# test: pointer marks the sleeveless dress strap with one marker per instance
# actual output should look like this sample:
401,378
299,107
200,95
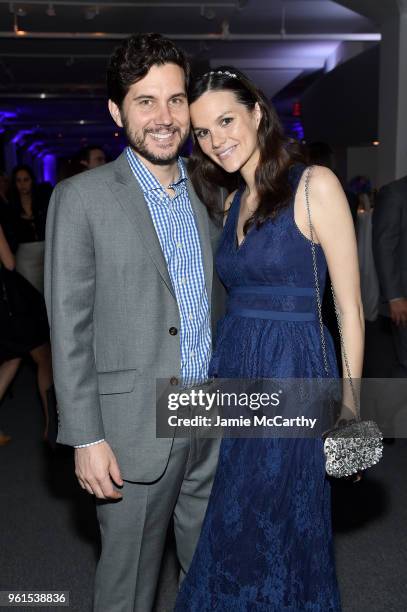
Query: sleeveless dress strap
233,211
294,176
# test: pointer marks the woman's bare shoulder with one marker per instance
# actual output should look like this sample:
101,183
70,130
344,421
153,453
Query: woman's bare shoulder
324,181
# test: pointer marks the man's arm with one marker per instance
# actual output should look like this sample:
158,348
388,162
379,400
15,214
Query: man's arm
70,294
386,238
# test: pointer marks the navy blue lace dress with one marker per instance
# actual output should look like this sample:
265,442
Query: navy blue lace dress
266,541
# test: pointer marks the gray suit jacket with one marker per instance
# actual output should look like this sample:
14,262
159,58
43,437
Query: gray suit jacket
390,240
111,304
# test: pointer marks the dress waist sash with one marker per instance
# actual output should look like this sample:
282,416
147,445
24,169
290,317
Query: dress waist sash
236,307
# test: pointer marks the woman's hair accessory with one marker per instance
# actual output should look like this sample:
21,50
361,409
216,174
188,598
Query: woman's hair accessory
222,72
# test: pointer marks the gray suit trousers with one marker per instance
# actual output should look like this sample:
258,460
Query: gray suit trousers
134,529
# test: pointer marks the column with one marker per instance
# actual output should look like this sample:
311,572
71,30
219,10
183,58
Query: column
393,98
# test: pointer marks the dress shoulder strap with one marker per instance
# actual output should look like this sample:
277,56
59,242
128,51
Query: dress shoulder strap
234,208
294,176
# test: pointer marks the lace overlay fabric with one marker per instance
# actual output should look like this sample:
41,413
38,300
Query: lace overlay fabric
266,542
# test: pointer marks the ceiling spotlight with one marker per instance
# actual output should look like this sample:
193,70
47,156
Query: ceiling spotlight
21,12
43,96
82,122
376,143
50,11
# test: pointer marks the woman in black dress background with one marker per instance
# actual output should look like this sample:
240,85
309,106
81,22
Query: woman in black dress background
29,203
23,320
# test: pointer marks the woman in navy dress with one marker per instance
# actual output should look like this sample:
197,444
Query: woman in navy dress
266,542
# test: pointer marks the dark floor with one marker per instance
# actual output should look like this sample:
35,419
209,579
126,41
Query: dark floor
49,537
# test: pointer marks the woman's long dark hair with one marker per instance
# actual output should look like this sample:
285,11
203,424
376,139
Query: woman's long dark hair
14,193
277,153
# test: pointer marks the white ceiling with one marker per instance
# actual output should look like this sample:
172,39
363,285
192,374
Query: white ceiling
69,50
58,62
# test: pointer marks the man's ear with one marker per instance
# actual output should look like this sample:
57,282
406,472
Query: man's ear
114,110
257,114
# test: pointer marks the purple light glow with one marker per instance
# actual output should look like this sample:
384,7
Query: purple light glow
7,115
32,148
19,137
298,130
49,168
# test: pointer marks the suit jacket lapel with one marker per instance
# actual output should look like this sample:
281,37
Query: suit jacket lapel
127,191
130,196
202,222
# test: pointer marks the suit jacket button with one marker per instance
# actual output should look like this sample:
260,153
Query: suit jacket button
174,381
173,331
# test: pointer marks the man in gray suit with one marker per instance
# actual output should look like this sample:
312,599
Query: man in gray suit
130,294
390,253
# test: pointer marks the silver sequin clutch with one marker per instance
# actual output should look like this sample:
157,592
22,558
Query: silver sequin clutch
352,448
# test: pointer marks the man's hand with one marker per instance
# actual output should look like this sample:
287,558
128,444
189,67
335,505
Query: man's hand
398,311
97,469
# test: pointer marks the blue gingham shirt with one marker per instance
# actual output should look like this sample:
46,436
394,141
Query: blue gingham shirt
174,222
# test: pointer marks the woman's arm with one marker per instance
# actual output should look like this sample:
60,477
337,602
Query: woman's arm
334,230
6,256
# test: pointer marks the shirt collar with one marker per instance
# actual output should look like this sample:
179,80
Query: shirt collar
146,178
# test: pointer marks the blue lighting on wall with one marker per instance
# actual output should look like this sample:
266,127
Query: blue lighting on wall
296,129
19,137
4,115
49,168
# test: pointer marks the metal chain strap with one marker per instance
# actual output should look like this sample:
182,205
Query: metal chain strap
319,301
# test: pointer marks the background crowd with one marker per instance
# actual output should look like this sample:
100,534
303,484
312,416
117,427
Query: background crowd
23,319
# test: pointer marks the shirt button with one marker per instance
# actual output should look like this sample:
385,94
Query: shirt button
183,280
179,245
192,353
190,316
174,381
173,331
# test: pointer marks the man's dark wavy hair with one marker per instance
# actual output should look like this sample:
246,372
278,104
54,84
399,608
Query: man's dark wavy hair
277,153
131,61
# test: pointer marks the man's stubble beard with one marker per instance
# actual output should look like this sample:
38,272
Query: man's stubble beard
137,144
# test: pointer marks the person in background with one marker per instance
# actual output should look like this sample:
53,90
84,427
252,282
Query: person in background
8,365
30,212
361,187
390,254
23,323
92,157
4,185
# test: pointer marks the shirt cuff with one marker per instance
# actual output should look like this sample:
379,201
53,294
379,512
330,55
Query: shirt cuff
90,444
